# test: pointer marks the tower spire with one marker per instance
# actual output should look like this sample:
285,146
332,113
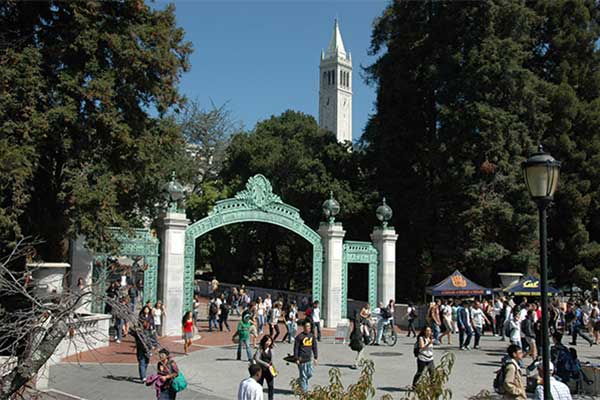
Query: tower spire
336,44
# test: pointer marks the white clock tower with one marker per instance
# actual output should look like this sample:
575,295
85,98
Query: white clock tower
335,88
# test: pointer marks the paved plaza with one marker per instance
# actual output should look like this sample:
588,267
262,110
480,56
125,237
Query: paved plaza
214,374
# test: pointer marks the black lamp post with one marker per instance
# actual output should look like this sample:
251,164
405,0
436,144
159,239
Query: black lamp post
541,172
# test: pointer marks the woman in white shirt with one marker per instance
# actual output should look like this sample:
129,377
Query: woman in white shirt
515,328
158,312
261,312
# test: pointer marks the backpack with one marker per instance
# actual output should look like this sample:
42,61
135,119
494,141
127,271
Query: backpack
308,312
413,313
416,348
500,378
213,308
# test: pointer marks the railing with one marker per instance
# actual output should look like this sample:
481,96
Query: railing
202,288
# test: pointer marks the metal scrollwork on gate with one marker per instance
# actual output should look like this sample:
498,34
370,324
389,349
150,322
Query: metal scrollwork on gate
359,253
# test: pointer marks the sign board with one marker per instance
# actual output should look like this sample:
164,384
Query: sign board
342,332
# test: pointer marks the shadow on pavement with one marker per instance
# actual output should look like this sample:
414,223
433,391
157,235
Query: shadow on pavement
123,378
394,389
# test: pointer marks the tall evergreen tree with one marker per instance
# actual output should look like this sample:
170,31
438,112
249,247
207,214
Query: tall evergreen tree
80,149
462,98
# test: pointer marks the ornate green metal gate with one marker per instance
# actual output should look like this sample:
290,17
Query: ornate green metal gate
359,253
257,203
142,243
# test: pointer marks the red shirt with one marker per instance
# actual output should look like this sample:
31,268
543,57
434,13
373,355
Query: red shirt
188,326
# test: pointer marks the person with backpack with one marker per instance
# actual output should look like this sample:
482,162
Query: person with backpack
223,316
512,380
383,317
423,351
411,315
578,327
529,335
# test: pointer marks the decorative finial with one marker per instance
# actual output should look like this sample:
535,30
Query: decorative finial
540,148
331,208
384,213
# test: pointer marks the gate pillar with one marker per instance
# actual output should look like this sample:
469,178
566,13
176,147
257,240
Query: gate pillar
171,274
332,237
384,240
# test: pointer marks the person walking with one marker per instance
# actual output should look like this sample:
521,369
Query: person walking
479,320
264,358
224,316
411,315
578,327
142,351
213,312
558,390
514,326
424,354
187,327
167,371
243,335
146,320
464,325
514,388
315,316
249,388
158,313
383,318
356,342
365,322
305,348
234,300
528,334
292,324
275,317
261,314
446,318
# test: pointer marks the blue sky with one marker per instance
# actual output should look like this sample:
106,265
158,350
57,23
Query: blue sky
262,57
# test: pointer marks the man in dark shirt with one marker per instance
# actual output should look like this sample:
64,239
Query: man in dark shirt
305,347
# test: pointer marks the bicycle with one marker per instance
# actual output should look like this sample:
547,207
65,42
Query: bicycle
388,336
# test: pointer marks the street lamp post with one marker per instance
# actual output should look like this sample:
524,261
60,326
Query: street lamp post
541,172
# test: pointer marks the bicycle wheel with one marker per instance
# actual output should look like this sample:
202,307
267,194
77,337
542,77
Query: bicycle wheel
391,336
372,335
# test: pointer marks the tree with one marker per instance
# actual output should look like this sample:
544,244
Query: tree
80,149
207,133
463,96
303,163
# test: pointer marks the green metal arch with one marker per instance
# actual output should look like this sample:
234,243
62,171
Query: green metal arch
359,253
256,203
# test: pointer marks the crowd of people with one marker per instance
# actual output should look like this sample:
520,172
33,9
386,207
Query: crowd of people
518,321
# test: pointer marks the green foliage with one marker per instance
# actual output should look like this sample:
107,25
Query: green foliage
362,390
465,90
432,387
80,149
303,162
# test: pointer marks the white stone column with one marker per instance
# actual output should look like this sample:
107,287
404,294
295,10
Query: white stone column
170,276
384,240
81,267
332,237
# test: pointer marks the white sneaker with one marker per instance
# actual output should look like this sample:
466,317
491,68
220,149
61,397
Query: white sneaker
118,341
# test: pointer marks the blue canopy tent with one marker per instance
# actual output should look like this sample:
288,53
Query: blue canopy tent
458,285
529,286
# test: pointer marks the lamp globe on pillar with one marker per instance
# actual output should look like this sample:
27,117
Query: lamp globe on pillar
331,208
384,213
541,173
173,193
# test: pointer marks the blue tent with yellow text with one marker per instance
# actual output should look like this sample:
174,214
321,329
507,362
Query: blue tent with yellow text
458,285
529,286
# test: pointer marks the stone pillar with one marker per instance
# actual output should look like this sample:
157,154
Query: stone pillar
384,240
81,267
332,237
170,277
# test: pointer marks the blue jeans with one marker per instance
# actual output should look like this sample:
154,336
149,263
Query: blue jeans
246,342
142,365
380,325
261,322
461,336
436,332
212,321
305,371
119,328
292,331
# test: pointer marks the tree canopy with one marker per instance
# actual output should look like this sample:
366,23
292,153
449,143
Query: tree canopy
465,91
84,145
